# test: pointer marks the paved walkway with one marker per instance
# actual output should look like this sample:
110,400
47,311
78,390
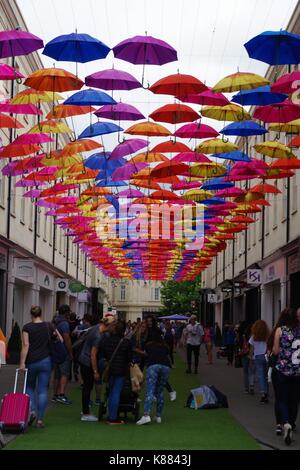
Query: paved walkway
258,419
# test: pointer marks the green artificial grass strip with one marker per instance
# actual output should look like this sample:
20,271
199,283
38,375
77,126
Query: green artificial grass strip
181,429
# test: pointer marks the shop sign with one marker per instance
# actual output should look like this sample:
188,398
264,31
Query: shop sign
254,277
62,285
24,268
274,271
212,298
75,287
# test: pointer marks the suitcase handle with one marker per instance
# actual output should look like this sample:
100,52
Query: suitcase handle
17,377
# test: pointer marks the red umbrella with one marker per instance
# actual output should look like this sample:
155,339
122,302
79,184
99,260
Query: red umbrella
196,130
170,147
295,142
174,114
265,188
12,150
169,168
178,85
286,164
9,123
206,98
164,195
280,112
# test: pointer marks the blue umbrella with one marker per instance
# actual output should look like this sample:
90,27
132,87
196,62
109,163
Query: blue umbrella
90,97
101,161
275,48
216,183
174,317
109,183
236,156
213,201
76,47
259,96
100,128
243,129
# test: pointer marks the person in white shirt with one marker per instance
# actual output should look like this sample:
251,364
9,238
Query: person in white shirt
192,339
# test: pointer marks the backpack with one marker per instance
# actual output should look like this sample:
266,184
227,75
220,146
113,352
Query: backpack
77,347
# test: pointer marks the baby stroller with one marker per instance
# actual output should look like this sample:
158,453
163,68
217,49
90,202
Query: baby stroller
128,402
222,352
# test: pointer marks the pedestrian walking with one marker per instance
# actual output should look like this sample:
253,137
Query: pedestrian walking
287,370
35,356
229,339
208,339
158,371
243,336
258,349
192,335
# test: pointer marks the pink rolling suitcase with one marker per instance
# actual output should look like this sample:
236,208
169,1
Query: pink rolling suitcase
14,412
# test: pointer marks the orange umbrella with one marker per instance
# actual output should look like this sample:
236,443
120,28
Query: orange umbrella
83,145
67,110
265,188
95,191
18,150
148,157
141,183
178,85
149,129
9,123
53,79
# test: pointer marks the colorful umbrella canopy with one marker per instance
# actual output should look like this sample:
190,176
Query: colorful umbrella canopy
177,85
9,73
240,81
274,150
265,188
128,147
207,170
244,129
9,122
206,98
216,184
190,157
67,110
149,157
31,96
174,113
280,112
145,50
169,168
100,128
112,79
237,156
275,48
149,129
53,80
17,42
295,142
51,127
216,146
84,145
76,47
292,127
287,83
170,146
8,107
120,112
90,97
196,130
230,112
32,139
286,164
259,96
127,171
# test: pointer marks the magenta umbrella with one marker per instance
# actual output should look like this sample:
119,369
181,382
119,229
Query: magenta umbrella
33,193
9,73
130,193
10,169
32,139
7,107
16,42
24,183
230,192
128,147
206,98
280,112
191,157
119,112
47,204
196,130
186,185
112,79
126,171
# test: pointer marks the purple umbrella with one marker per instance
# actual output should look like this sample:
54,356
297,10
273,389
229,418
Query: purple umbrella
33,193
10,169
145,50
119,112
9,73
7,107
16,42
126,171
128,147
23,183
112,79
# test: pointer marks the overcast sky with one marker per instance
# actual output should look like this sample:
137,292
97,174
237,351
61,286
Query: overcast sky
207,34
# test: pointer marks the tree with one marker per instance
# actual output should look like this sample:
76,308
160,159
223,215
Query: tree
181,298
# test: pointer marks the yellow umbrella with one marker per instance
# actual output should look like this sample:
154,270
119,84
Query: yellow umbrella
31,96
51,126
230,112
274,149
207,170
292,127
62,162
249,197
240,81
197,195
148,157
216,146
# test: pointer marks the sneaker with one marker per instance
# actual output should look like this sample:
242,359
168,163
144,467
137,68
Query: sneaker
188,371
88,418
114,421
278,430
63,399
157,419
264,399
40,425
31,419
287,428
144,420
54,399
173,395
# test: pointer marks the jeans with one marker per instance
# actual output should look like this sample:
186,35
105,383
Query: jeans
37,382
116,384
248,372
156,379
288,393
88,383
262,371
192,349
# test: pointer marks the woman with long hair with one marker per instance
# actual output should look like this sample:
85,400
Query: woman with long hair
243,336
287,348
258,349
138,341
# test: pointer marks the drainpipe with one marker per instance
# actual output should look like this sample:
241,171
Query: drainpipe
12,90
232,276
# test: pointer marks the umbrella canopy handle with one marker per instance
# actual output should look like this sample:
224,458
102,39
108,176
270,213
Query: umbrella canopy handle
225,139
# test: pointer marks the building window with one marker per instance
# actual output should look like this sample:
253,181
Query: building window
157,293
123,292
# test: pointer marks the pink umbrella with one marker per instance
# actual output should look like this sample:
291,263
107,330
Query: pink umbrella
7,107
196,130
128,147
48,171
186,185
33,193
230,192
280,112
112,79
191,157
32,139
26,183
9,73
58,188
206,98
287,83
223,207
130,193
126,171
214,220
43,203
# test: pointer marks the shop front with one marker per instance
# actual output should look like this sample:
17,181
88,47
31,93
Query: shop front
273,291
45,282
293,271
3,271
23,290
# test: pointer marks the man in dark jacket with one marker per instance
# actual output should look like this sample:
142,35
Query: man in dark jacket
118,369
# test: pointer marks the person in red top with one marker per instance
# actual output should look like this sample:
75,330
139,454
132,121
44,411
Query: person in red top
208,339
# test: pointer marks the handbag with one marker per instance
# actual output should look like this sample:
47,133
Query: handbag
137,378
58,351
105,373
